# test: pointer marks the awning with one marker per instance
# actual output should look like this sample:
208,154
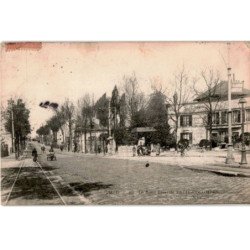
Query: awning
143,130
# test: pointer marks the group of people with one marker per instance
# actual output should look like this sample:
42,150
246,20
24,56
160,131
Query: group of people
142,149
43,149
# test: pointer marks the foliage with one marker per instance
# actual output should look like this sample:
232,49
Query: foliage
170,141
179,98
209,99
135,100
68,111
157,117
21,119
43,130
56,122
101,109
114,102
85,117
139,119
204,143
122,110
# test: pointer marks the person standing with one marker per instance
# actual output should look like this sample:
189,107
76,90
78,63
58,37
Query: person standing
34,154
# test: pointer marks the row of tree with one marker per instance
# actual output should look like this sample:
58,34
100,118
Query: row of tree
128,108
16,122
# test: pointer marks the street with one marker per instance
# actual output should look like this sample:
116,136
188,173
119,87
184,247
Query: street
90,179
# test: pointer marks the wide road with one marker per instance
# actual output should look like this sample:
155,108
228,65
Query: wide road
101,180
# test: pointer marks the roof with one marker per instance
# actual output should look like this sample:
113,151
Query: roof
96,127
143,130
221,90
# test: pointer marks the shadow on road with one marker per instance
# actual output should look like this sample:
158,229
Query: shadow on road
86,188
32,184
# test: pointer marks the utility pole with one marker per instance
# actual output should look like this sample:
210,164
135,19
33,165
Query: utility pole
13,129
230,157
115,125
243,161
109,118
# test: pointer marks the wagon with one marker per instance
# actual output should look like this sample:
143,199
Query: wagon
51,156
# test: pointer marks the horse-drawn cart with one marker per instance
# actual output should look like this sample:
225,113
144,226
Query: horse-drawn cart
51,156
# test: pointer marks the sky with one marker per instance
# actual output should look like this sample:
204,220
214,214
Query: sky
56,71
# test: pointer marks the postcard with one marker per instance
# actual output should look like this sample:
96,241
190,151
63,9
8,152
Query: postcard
125,123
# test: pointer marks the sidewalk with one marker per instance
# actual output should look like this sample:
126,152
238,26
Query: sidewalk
209,161
9,161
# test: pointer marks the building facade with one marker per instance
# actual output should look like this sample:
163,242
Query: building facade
192,123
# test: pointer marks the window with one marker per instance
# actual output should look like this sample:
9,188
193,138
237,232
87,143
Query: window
224,117
236,116
186,120
214,135
187,136
223,136
235,136
247,115
216,118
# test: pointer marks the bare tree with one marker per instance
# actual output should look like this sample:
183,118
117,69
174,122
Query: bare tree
209,98
68,111
85,117
135,99
179,98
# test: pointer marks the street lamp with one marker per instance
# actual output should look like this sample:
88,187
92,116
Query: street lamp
230,157
243,161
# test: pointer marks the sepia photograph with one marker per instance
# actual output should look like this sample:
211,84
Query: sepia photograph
125,123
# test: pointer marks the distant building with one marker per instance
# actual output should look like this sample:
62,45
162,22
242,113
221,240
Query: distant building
90,140
6,139
192,125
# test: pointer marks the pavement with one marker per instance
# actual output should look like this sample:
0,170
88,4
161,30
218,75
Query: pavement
113,181
121,179
24,182
209,161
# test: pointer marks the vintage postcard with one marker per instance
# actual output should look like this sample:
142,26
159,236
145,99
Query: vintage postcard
125,123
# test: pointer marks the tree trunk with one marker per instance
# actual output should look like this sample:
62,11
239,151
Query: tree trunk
70,136
210,136
176,136
55,138
62,135
85,142
90,134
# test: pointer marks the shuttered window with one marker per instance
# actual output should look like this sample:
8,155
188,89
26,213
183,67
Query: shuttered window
247,116
236,116
216,118
224,117
186,120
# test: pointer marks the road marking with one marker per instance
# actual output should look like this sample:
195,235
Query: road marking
21,165
51,183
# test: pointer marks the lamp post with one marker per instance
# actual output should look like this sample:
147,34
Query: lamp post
230,157
243,161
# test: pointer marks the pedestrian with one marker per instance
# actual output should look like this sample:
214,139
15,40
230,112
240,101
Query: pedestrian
51,149
158,149
34,154
75,147
43,149
134,150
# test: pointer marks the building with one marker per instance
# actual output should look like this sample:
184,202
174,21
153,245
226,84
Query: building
6,140
193,119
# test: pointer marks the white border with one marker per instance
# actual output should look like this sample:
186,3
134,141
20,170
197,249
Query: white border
184,227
